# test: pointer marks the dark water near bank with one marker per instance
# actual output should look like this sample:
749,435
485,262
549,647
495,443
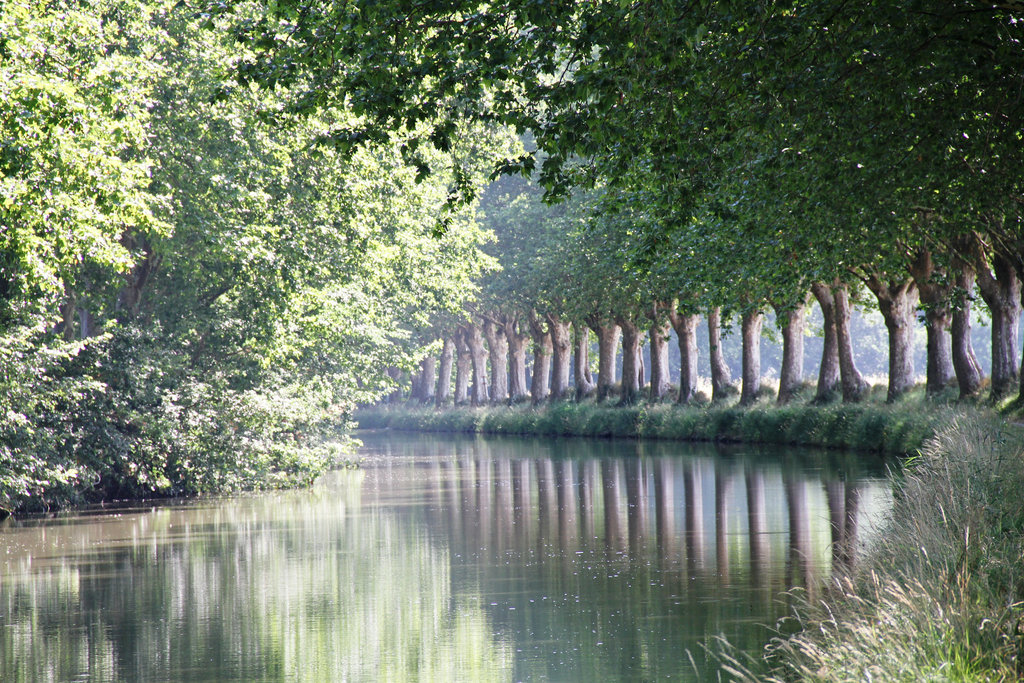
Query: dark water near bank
441,559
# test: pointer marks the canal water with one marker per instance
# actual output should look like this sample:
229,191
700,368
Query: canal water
442,559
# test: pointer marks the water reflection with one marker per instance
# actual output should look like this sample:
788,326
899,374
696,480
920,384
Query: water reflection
441,559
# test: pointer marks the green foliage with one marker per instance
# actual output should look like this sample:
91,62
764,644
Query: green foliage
122,416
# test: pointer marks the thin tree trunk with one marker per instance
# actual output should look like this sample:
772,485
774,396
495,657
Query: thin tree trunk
428,368
791,374
686,333
752,324
497,350
630,385
463,366
561,352
518,389
475,339
828,373
935,292
853,384
660,379
540,385
897,300
720,375
581,361
444,373
608,334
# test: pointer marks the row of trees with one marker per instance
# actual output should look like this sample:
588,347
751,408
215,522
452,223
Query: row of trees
741,157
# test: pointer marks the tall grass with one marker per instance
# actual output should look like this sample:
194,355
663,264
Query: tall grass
873,426
940,597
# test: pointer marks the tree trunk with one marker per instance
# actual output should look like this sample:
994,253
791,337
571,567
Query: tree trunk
791,374
428,367
686,334
752,324
517,358
67,313
475,339
853,385
497,349
935,291
630,386
828,373
86,323
444,373
660,379
1001,290
396,395
608,334
965,363
415,384
561,353
130,296
581,361
540,385
720,375
463,366
897,300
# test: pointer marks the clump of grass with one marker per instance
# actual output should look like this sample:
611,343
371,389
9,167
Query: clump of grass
941,595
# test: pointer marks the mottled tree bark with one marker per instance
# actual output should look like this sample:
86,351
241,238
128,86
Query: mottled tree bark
965,363
791,374
659,334
853,384
630,385
540,385
828,373
581,361
497,350
935,291
415,387
686,333
463,366
897,300
444,373
475,339
517,340
561,353
608,334
720,375
428,368
1001,289
751,329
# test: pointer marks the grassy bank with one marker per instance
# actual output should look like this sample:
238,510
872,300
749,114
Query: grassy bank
940,597
892,429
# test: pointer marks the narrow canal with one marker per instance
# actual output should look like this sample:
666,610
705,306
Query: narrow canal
442,559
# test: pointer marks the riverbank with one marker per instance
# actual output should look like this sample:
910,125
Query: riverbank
939,597
898,429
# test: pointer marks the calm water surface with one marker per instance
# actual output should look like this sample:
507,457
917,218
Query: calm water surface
441,559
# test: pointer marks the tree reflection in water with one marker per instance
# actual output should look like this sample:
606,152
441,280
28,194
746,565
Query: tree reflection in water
443,559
